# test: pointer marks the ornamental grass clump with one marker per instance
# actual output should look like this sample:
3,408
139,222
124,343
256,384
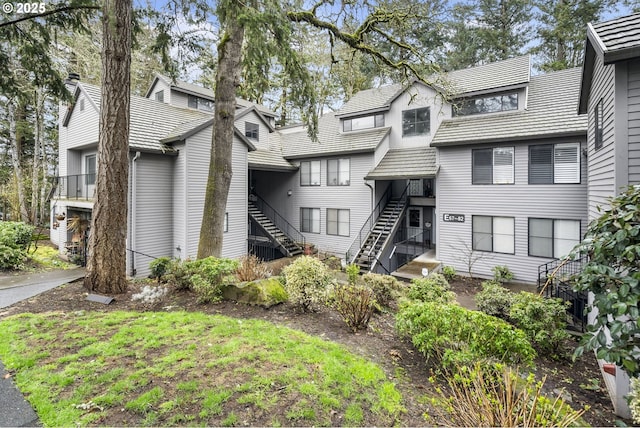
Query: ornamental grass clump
306,281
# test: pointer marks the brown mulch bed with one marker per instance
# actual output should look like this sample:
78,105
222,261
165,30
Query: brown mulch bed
580,380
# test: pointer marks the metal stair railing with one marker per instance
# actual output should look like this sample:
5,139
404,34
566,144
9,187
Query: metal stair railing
278,220
389,225
361,237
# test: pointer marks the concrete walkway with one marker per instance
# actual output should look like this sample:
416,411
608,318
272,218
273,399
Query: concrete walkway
15,411
19,287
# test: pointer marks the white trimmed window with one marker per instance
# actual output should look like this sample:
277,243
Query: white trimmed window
226,222
90,169
338,172
310,220
416,122
598,119
492,166
553,238
494,234
160,96
338,222
363,122
554,163
251,130
310,173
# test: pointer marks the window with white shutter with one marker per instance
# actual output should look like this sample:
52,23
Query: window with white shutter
554,163
492,166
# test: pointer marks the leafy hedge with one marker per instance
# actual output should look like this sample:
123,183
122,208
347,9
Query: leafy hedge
206,277
457,336
14,239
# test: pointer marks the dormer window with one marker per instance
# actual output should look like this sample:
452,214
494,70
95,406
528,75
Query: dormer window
363,122
486,104
160,96
251,131
200,103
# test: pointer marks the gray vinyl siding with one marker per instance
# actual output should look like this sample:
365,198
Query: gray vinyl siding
456,195
356,197
161,86
179,202
263,130
153,215
198,150
179,99
633,109
602,183
81,130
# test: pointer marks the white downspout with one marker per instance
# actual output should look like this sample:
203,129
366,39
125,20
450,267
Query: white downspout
132,210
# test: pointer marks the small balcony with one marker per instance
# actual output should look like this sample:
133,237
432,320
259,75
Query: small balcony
77,187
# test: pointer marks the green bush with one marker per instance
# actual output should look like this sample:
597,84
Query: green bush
159,267
502,274
495,300
11,258
434,288
544,320
457,336
355,303
449,272
306,281
15,234
206,277
384,287
353,270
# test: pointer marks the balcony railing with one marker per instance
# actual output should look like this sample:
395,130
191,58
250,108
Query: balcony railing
79,186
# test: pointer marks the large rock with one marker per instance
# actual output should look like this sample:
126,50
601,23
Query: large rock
264,292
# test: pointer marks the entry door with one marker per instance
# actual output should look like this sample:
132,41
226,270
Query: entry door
90,175
414,223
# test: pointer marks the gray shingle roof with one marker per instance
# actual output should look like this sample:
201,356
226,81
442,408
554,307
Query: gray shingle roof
330,140
268,160
618,39
400,164
510,72
507,73
551,111
152,121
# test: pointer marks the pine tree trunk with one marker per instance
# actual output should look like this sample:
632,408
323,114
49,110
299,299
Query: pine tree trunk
106,268
219,179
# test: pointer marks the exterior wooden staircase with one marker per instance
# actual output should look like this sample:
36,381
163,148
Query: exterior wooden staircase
379,235
281,233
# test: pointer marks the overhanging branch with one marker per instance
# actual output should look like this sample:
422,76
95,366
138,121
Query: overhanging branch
47,13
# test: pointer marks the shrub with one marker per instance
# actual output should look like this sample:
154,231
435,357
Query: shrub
449,272
353,270
634,400
11,258
502,274
496,395
384,287
355,303
544,320
306,281
457,336
251,268
15,234
434,288
159,267
494,300
205,277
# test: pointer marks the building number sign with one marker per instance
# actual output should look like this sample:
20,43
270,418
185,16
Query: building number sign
453,218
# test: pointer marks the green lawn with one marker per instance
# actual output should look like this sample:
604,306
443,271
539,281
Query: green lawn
184,368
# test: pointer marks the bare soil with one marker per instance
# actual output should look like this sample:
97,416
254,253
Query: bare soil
580,381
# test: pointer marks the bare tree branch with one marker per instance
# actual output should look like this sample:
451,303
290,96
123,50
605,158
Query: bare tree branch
47,13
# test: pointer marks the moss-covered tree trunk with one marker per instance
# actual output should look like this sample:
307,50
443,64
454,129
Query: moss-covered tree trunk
106,268
219,179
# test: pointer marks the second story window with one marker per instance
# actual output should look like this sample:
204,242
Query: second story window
251,131
598,125
365,122
492,166
160,96
310,173
554,163
200,103
338,172
486,104
416,122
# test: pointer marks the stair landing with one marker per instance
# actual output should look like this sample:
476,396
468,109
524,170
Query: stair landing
413,269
